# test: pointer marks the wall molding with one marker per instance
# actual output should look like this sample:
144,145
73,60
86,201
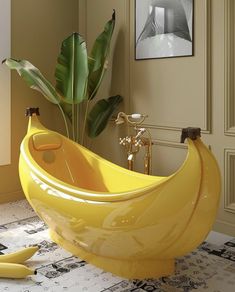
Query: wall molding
224,227
207,129
207,68
229,115
229,185
167,143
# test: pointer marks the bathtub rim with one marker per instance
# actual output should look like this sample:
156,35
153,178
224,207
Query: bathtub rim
93,195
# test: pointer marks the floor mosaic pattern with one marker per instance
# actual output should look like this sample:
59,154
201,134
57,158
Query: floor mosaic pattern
209,268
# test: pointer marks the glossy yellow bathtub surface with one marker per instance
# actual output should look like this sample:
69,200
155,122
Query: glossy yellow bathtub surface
130,224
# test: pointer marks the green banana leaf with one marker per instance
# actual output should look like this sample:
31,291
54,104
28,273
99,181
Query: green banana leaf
33,78
67,109
100,114
72,70
98,58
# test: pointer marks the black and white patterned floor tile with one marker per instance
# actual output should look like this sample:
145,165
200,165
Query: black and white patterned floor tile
209,268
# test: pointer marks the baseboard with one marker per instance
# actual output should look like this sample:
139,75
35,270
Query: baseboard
11,197
224,227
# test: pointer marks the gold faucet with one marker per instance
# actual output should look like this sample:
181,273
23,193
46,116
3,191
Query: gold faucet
133,143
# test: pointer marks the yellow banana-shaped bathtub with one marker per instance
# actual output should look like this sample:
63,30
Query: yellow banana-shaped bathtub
127,223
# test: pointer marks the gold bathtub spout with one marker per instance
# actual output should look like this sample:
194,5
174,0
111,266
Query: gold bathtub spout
133,144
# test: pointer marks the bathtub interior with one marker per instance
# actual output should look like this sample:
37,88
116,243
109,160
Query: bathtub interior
75,165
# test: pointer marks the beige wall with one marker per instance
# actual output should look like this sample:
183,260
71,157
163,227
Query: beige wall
5,82
175,93
38,27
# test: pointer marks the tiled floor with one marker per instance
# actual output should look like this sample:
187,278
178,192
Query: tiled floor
209,268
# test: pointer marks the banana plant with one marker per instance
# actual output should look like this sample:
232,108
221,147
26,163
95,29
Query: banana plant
100,114
72,77
78,78
34,78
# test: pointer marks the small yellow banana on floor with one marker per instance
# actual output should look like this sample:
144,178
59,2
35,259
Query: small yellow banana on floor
15,271
19,256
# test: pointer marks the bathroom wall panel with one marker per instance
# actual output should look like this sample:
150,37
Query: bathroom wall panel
220,140
226,214
229,68
229,191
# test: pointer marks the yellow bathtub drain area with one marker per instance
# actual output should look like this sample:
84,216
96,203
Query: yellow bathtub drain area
127,223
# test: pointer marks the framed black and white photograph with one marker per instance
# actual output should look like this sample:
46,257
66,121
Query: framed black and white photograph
163,28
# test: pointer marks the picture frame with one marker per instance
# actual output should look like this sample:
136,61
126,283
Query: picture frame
164,29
